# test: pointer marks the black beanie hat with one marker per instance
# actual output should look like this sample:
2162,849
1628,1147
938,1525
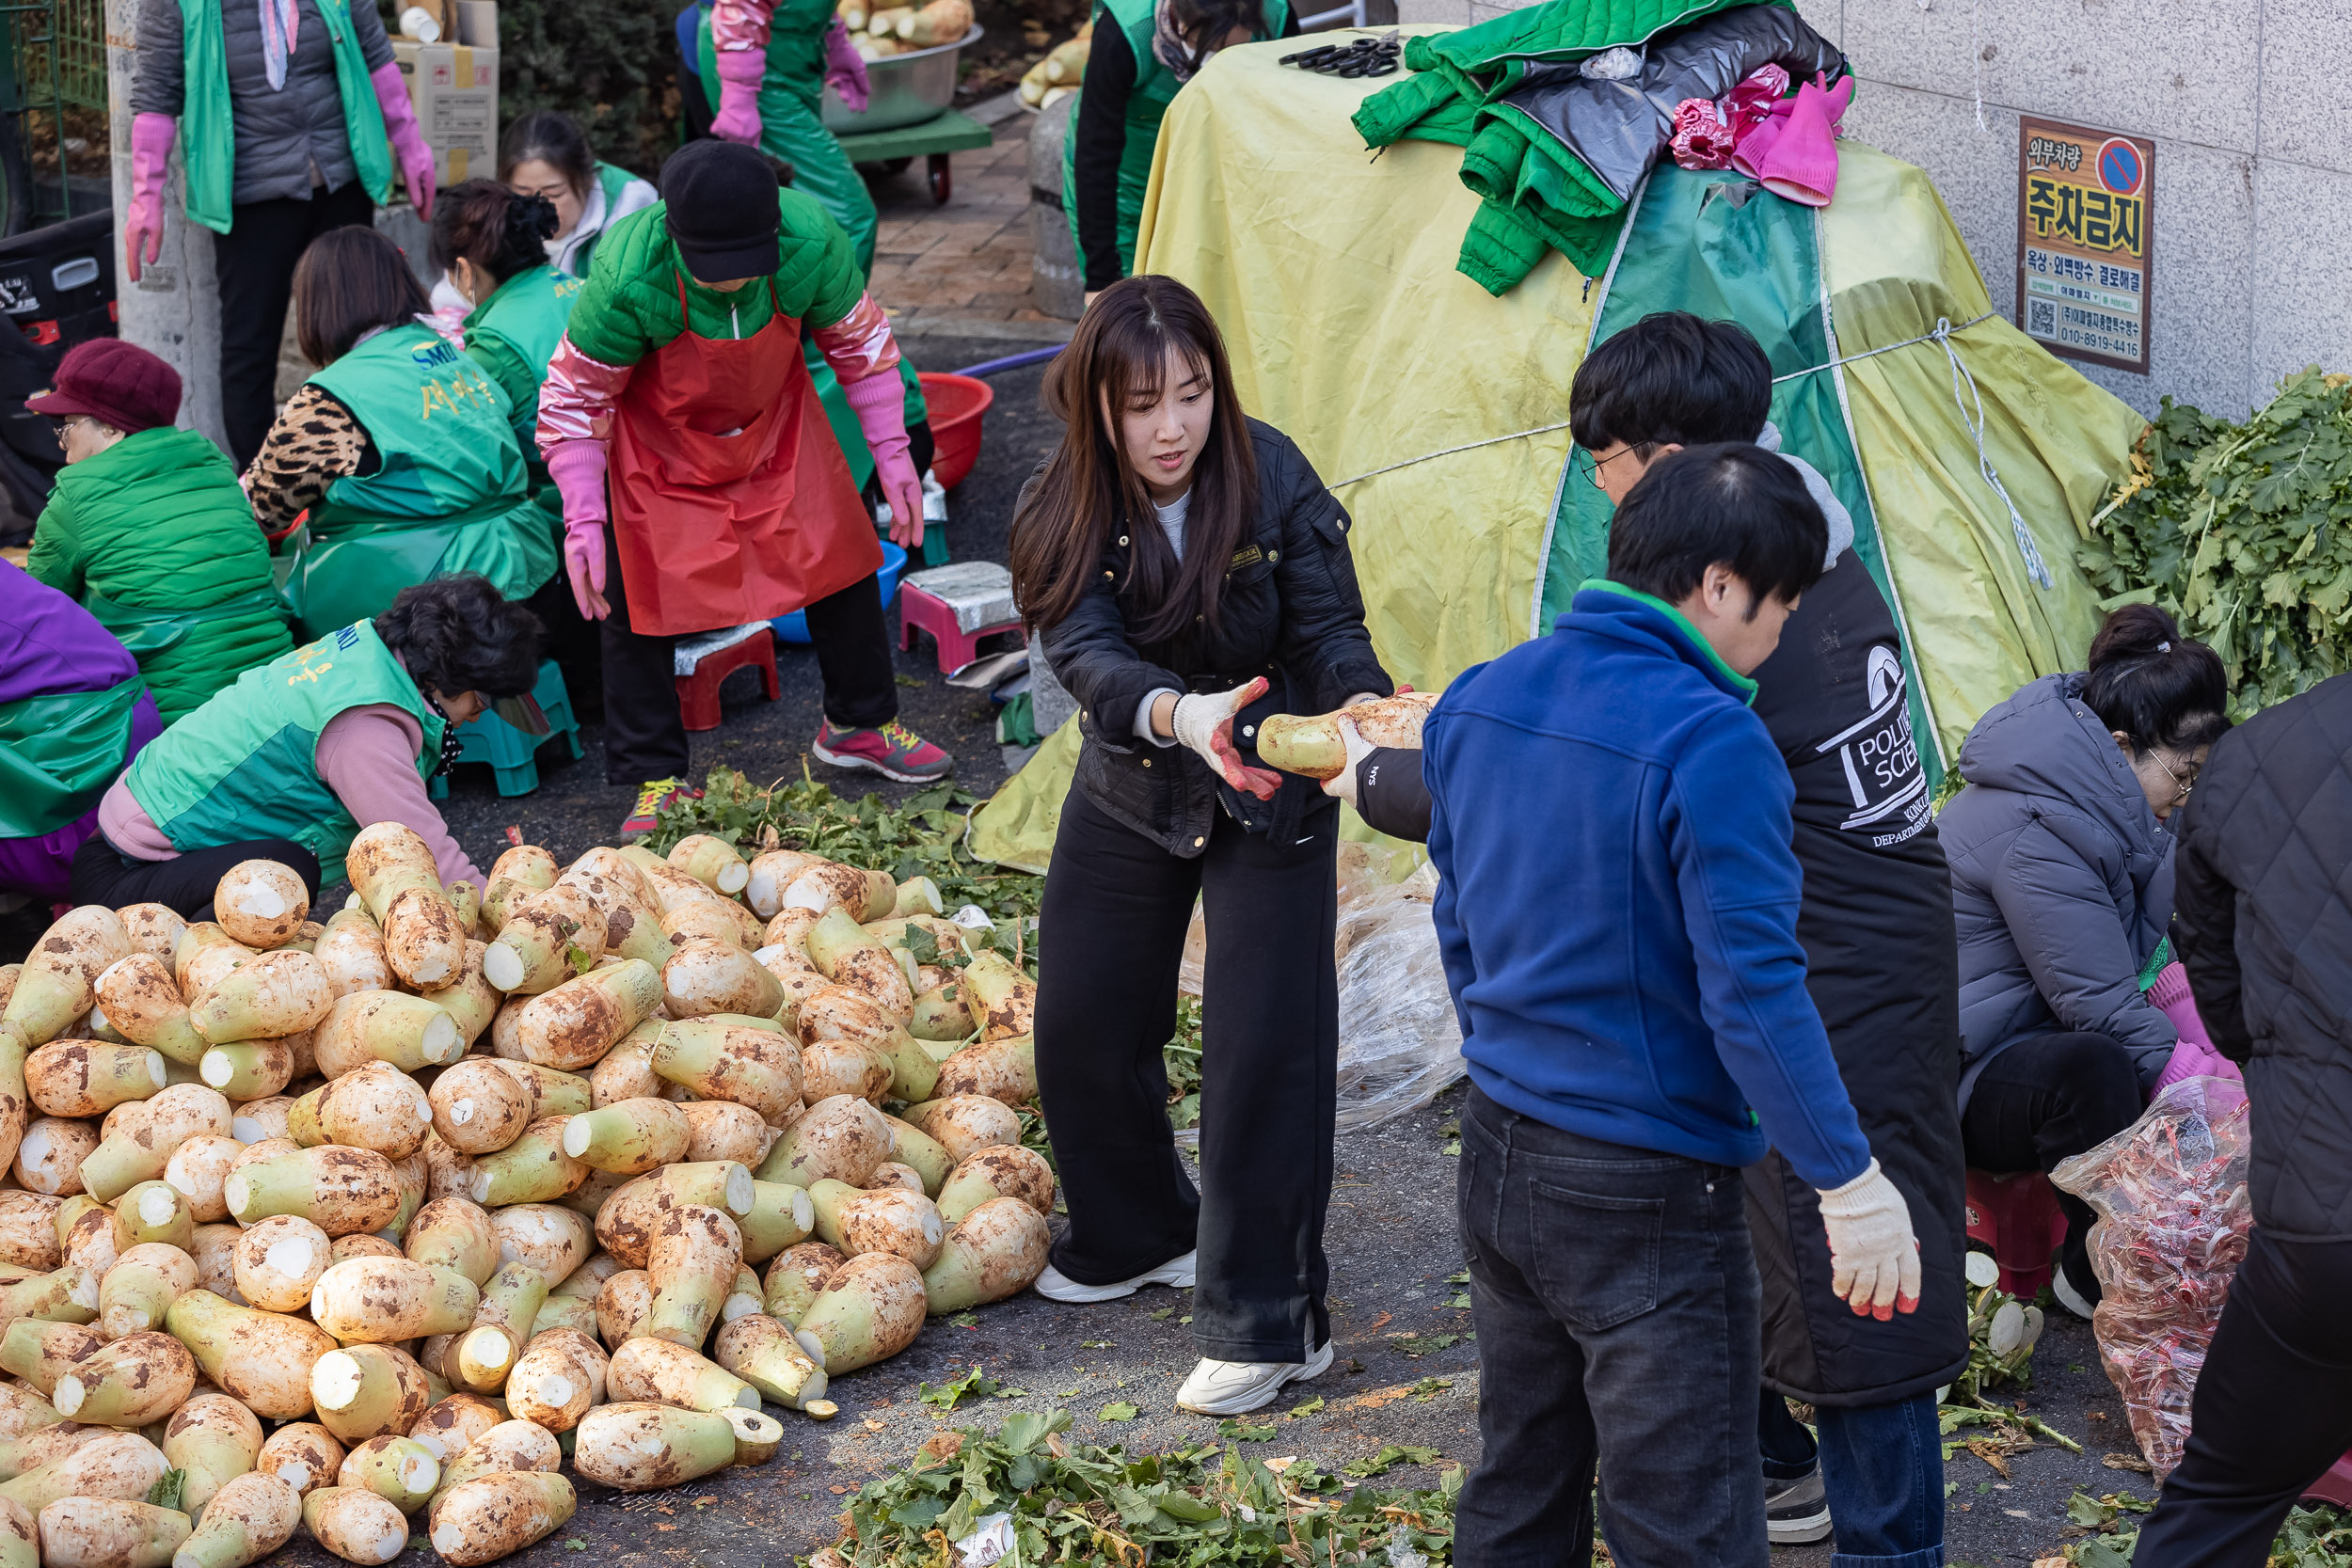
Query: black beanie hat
721,208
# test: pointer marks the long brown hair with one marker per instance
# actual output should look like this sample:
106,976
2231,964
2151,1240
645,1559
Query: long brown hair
349,282
1089,491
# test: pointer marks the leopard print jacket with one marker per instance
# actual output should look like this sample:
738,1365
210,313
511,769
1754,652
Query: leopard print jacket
315,442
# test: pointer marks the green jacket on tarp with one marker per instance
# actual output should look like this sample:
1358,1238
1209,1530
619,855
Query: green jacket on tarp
450,494
156,539
208,136
1535,197
1147,104
246,766
512,335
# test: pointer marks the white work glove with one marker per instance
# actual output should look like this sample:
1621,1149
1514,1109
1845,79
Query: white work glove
1342,785
1873,1256
1205,722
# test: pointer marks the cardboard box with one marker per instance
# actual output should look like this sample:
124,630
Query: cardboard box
477,24
455,88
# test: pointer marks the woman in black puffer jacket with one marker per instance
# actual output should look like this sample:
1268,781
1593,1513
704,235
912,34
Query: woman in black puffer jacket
2062,895
1188,574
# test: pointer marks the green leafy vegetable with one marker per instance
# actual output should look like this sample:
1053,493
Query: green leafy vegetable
2242,529
165,1493
1118,1410
1199,1506
1387,1459
948,1394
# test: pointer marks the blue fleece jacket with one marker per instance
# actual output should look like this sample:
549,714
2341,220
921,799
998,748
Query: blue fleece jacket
1618,907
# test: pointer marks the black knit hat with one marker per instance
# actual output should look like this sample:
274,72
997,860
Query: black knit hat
721,201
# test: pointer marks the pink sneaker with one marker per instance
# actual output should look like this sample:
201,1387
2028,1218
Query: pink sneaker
893,750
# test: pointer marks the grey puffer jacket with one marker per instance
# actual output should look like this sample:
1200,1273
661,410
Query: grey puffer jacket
2061,882
280,134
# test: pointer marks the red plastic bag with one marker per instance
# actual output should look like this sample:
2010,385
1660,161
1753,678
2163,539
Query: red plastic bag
2173,1216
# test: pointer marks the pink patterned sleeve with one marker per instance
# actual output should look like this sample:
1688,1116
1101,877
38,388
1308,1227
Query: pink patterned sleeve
576,400
859,344
740,24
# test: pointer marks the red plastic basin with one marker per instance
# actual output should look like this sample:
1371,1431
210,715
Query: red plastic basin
956,404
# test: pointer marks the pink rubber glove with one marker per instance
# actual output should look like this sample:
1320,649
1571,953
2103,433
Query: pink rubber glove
577,468
845,67
740,75
152,137
400,124
880,403
2195,1055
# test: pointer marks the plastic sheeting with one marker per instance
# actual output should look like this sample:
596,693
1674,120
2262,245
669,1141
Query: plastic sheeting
2173,1216
1439,414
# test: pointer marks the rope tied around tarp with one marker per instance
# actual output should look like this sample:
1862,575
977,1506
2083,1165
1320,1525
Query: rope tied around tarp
1941,335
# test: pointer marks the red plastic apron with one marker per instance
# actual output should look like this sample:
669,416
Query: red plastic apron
717,529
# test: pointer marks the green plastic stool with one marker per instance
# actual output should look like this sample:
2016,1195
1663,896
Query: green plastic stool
512,755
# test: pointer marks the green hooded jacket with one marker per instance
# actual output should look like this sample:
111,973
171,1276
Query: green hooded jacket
156,539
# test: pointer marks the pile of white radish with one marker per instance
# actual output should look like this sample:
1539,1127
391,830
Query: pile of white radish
373,1225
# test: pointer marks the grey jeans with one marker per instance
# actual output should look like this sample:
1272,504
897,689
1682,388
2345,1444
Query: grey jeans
1615,1302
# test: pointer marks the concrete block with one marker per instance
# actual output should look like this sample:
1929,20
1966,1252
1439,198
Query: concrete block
2307,82
2300,312
2159,68
1444,13
1825,17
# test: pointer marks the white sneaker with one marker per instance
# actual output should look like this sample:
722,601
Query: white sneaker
2068,1298
1053,1285
1235,1388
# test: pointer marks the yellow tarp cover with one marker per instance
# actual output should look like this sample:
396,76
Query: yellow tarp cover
1331,273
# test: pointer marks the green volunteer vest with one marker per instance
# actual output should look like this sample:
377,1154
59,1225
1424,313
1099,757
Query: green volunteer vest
208,132
1155,88
244,765
612,181
526,313
59,753
450,494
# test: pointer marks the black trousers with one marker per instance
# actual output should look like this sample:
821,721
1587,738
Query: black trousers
105,875
2272,1410
255,261
645,734
1616,1298
1116,909
2042,1100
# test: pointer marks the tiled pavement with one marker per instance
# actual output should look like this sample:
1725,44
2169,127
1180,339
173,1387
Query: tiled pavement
963,269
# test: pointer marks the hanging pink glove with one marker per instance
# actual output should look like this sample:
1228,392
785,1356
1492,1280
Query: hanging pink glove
2195,1055
152,137
845,67
577,468
400,124
740,75
880,403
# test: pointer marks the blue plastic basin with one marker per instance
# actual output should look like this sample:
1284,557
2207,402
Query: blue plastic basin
794,627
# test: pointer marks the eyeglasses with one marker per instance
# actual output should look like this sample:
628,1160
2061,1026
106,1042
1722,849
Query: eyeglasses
67,423
1590,466
2182,786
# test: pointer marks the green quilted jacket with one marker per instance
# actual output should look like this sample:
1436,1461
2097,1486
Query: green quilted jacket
630,305
1536,194
155,537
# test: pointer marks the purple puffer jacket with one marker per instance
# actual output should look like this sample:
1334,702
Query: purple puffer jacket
49,645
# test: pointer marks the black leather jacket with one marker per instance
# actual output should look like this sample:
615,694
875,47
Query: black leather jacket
1290,611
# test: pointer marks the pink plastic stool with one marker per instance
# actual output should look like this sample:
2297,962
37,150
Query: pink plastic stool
699,693
2018,1217
921,610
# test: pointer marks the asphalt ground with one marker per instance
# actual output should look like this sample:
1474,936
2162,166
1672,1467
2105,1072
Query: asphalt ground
1392,1237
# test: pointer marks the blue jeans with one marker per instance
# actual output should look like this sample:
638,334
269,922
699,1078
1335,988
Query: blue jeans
1883,1467
1616,1301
